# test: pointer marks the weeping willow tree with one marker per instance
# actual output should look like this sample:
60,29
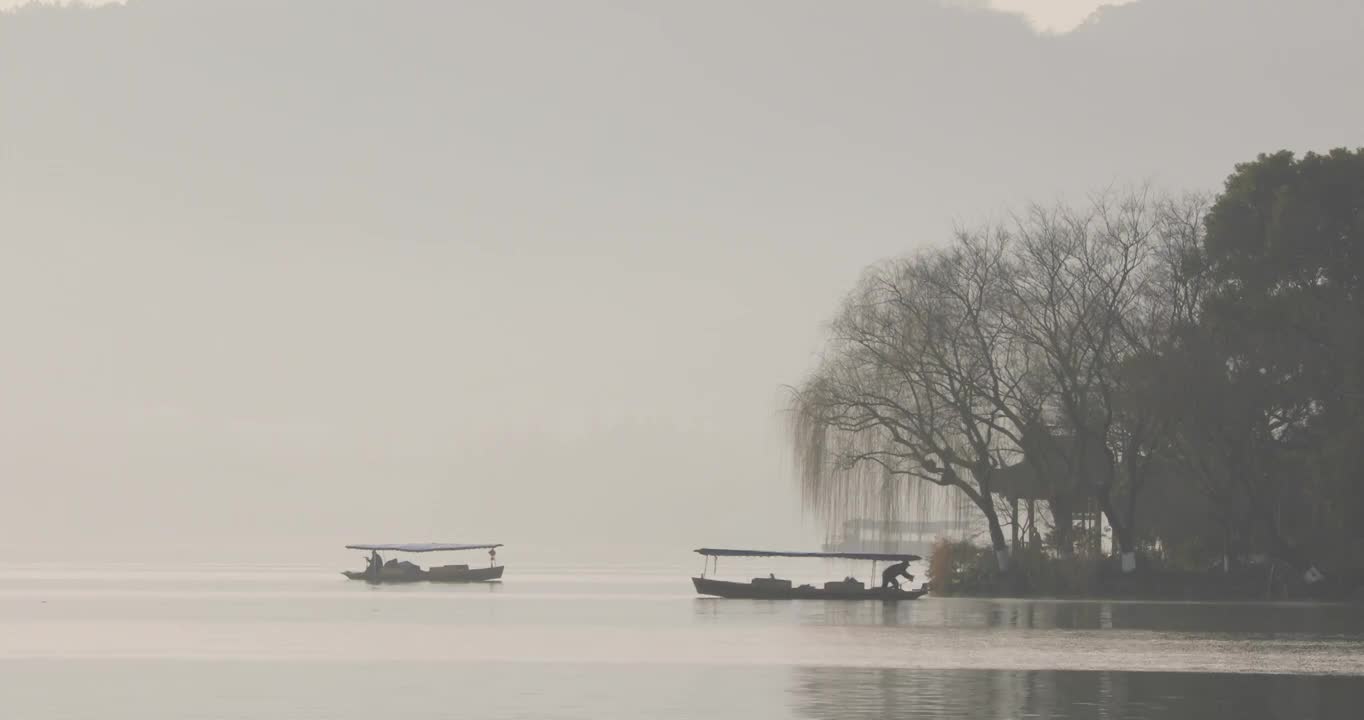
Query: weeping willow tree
919,385
1009,343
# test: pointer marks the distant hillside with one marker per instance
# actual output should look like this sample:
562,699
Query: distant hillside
295,106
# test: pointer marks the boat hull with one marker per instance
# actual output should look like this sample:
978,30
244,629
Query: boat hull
467,575
440,574
727,589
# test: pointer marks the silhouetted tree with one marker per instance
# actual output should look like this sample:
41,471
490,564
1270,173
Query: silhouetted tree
1283,329
1221,342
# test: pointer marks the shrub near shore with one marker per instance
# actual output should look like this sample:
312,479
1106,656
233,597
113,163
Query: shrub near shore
964,569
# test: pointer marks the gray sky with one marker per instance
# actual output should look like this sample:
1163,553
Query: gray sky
1047,14
314,271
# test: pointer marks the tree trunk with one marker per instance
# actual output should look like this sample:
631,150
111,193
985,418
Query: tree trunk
1123,536
1015,527
985,501
1136,480
1129,555
997,539
1033,543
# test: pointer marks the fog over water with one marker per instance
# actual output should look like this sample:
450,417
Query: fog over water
283,275
280,276
158,641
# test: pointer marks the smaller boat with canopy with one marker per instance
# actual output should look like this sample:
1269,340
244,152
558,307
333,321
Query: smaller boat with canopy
378,570
774,588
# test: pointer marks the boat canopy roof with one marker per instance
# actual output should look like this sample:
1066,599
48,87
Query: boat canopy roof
424,547
721,552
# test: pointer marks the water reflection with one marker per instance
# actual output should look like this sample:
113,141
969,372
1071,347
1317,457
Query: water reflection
1262,619
1018,635
890,693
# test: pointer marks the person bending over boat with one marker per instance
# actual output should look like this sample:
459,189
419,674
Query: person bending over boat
888,578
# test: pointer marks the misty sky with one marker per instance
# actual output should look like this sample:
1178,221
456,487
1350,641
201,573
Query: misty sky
344,270
1046,14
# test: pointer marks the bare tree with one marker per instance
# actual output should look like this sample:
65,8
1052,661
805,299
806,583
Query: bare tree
1080,279
1166,299
946,367
914,385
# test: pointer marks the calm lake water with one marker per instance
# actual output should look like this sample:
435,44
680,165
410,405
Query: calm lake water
118,642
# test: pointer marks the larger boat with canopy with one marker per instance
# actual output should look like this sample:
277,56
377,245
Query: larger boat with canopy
774,588
377,570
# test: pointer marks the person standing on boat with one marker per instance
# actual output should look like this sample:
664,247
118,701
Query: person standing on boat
376,564
888,577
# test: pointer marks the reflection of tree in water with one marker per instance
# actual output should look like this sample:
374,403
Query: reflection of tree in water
1030,615
1095,615
853,693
